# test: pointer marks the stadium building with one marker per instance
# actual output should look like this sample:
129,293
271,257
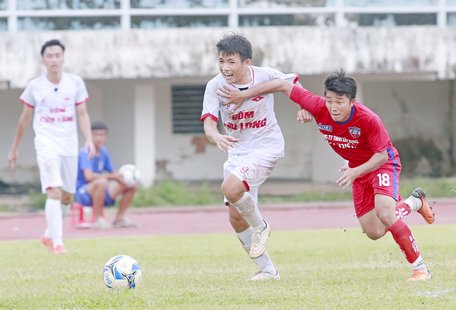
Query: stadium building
146,63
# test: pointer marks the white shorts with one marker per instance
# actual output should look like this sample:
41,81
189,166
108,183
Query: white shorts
252,170
58,171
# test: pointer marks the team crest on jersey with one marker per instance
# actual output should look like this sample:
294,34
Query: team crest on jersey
355,132
259,98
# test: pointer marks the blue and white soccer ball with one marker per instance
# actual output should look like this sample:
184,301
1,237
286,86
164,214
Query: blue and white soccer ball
122,271
129,174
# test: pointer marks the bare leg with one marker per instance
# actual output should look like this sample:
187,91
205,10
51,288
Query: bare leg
125,202
115,190
97,190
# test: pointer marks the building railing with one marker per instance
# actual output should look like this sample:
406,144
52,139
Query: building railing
43,15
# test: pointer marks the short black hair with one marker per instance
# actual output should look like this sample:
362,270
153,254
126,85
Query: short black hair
341,84
233,43
99,125
52,43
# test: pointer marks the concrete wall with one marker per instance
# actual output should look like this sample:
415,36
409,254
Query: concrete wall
398,71
171,53
10,110
416,111
420,118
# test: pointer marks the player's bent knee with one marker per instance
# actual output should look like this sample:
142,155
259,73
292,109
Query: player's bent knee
101,182
67,198
374,234
54,193
232,194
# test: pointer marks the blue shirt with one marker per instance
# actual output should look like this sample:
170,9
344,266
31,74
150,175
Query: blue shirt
98,164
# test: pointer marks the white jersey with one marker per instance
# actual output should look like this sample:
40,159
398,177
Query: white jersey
254,123
54,120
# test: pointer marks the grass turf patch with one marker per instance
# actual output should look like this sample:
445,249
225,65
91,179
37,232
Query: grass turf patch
320,269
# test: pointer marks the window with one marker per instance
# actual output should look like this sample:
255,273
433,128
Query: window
64,5
391,20
390,3
146,22
284,3
187,101
3,24
182,4
44,15
451,19
287,20
65,23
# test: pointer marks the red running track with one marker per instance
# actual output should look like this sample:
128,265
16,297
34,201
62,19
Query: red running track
203,220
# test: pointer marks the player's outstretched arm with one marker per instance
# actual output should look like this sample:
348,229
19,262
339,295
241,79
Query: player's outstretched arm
232,95
24,122
223,142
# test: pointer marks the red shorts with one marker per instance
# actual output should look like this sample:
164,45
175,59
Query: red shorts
384,181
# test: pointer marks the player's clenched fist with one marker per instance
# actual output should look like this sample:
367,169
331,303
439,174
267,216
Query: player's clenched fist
304,116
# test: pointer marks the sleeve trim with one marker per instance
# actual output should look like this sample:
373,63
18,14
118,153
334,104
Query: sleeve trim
213,117
83,101
27,104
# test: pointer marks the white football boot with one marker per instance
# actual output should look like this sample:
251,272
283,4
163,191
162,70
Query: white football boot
259,240
265,276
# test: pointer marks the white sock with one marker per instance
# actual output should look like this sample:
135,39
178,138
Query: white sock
47,234
414,203
54,221
248,209
66,208
418,264
263,262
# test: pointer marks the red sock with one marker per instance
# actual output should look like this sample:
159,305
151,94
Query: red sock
402,210
404,238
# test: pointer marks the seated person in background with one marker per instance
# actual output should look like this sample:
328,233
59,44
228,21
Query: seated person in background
98,184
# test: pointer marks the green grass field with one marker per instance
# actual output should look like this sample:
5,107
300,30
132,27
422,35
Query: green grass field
320,269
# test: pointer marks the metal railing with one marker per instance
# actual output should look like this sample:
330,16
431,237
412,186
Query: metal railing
36,15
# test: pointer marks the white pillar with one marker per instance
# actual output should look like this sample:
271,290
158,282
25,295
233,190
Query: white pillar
144,132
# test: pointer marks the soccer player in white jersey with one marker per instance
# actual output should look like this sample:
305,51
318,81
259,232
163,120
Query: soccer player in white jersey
55,100
253,141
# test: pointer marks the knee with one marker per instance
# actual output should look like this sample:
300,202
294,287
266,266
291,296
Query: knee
100,183
132,190
231,193
67,198
54,193
374,234
225,188
386,216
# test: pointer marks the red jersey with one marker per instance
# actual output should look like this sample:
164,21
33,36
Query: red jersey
356,139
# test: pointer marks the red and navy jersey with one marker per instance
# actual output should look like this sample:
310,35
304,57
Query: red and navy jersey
357,139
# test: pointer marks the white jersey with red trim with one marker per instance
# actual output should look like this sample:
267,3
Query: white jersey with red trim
54,120
254,123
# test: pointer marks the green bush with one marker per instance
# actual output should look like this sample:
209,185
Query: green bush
37,199
170,193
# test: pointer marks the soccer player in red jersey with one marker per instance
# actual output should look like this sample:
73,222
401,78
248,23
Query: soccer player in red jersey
358,135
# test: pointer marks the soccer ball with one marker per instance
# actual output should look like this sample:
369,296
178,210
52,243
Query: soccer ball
122,271
129,174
